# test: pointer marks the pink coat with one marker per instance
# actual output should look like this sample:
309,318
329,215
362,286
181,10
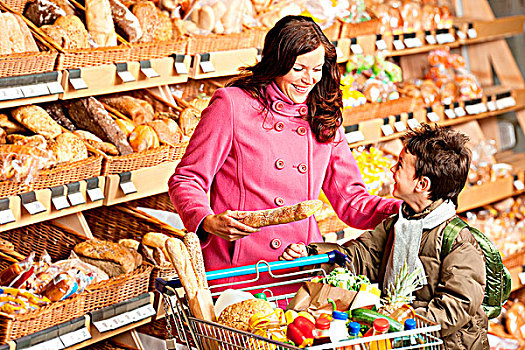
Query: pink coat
250,160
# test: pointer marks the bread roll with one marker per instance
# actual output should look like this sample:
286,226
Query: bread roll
36,119
238,315
10,126
126,126
143,137
206,18
77,35
58,35
100,22
168,130
155,239
180,259
188,120
69,148
37,141
106,147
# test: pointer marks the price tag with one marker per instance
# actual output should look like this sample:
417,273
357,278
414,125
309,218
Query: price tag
413,42
491,105
387,129
413,124
34,207
355,136
35,90
400,126
472,33
53,344
338,52
445,38
11,94
128,187
461,34
356,49
433,116
180,66
95,194
76,198
521,276
60,202
6,216
150,72
505,102
459,112
75,337
55,88
78,83
381,45
126,76
103,326
431,40
446,101
398,45
518,184
476,108
450,113
143,312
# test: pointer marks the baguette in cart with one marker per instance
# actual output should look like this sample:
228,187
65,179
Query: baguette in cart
258,327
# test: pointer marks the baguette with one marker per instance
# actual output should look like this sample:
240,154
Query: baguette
192,243
282,215
180,259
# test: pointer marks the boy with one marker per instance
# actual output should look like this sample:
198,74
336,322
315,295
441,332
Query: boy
432,169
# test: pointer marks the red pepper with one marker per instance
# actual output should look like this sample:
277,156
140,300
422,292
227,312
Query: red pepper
305,326
294,334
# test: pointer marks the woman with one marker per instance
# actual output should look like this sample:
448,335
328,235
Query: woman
272,138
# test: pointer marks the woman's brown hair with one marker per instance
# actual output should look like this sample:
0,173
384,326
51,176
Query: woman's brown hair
293,36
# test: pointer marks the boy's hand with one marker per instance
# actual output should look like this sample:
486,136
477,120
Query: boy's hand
294,251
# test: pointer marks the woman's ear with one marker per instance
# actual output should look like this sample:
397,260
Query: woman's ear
423,184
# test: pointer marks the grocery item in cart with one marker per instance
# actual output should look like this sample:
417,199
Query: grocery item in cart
282,215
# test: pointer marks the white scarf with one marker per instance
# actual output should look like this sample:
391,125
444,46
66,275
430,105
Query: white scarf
407,239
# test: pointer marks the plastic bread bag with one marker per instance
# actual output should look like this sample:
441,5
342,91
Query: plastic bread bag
325,12
21,163
411,14
62,286
74,262
216,16
40,267
279,9
14,271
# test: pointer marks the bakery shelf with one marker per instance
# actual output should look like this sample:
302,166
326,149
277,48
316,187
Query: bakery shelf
221,63
490,192
112,78
147,182
30,89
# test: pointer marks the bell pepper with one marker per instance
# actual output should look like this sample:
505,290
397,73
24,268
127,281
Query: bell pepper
297,336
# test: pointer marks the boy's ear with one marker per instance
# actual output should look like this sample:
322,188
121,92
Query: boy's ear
423,184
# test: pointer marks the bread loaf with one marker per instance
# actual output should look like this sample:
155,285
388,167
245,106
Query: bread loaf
100,22
10,126
188,120
143,138
155,24
90,114
43,12
126,21
57,112
58,35
16,37
168,130
180,259
77,35
282,215
129,243
192,243
157,241
112,258
29,41
68,147
36,119
126,126
238,315
139,110
106,147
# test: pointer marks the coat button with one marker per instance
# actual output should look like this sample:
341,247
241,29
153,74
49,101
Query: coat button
279,164
275,243
301,130
303,168
303,110
279,201
279,106
279,126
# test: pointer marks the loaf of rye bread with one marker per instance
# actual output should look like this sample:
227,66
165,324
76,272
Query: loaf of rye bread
126,22
88,113
59,114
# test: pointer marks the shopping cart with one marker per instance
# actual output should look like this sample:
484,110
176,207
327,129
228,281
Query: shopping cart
201,334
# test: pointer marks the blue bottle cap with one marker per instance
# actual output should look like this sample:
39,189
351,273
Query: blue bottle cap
339,315
410,323
354,328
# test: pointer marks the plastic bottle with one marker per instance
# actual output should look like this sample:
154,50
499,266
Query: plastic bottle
354,329
338,330
380,326
322,331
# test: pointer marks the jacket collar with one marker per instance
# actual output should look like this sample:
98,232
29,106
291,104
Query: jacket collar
409,213
282,104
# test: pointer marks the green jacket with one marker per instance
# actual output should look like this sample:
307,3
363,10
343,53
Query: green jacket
456,284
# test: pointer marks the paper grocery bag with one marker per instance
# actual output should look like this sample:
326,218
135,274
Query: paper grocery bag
313,297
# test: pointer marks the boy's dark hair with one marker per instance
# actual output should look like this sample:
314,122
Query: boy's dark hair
442,156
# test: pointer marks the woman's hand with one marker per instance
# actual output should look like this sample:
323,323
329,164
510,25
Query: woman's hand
226,226
294,251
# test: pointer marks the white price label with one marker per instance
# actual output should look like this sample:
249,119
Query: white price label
207,66
128,187
76,198
398,45
433,117
413,42
518,184
387,129
150,72
381,45
95,194
505,102
355,136
53,344
11,94
55,88
471,109
35,90
431,40
143,312
400,126
180,68
103,326
445,38
461,34
413,123
476,109
450,114
460,112
75,337
126,76
472,33
338,52
356,49
60,202
78,83
491,105
6,216
34,207
521,276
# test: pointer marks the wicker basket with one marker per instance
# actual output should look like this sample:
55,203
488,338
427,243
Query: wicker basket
176,153
352,30
381,110
331,224
11,188
136,160
226,42
69,172
514,260
159,201
158,49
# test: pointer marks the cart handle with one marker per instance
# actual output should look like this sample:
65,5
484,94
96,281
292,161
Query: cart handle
262,266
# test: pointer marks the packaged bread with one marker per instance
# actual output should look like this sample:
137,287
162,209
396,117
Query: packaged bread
36,119
112,258
238,315
155,24
126,21
77,35
100,22
168,130
68,147
140,111
281,215
90,114
143,138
